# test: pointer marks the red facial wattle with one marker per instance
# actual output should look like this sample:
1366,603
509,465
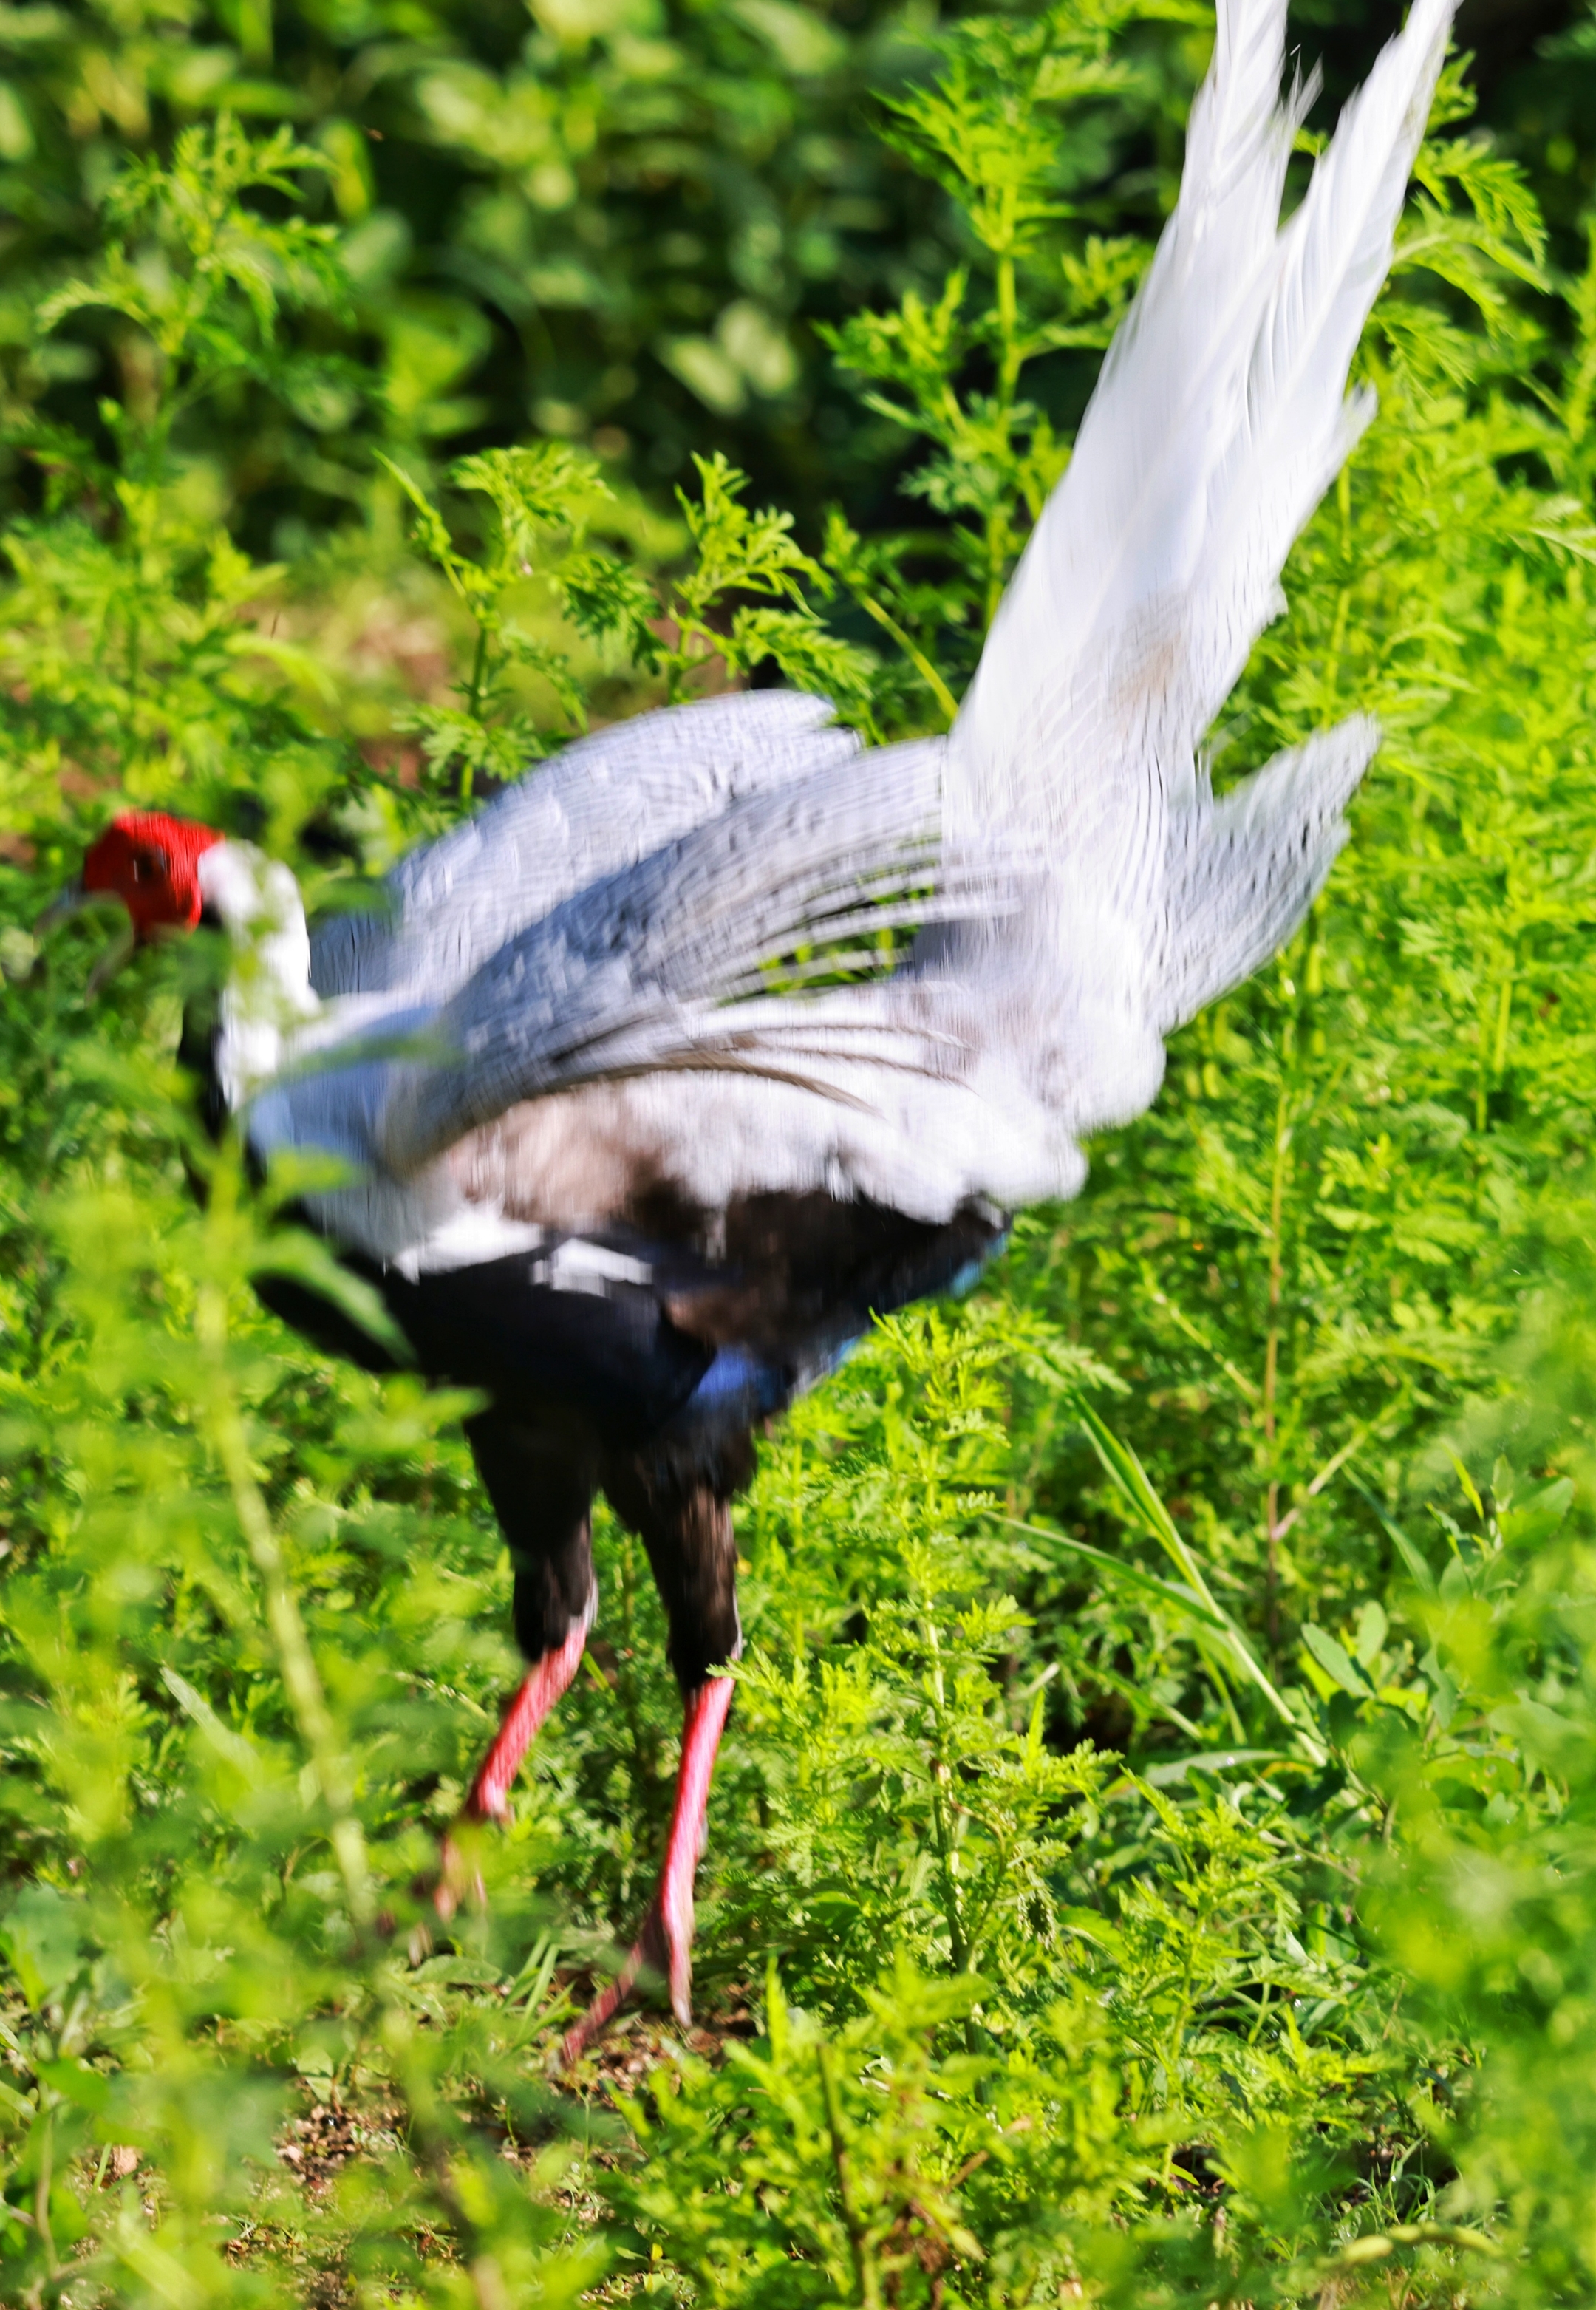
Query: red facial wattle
150,860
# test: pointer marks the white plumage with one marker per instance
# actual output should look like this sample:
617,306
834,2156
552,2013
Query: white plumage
547,1010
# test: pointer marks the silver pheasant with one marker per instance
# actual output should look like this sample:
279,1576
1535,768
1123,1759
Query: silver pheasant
599,1170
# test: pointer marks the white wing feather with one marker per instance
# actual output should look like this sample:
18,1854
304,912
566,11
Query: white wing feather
1295,428
1066,707
1216,423
605,803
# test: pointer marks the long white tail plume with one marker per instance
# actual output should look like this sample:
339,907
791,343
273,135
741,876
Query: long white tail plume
1219,419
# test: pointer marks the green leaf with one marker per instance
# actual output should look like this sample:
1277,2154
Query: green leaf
304,1258
1335,1661
75,2081
45,1936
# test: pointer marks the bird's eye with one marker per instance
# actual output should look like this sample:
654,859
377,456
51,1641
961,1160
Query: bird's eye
148,866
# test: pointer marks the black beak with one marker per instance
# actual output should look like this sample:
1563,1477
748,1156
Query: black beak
76,900
62,908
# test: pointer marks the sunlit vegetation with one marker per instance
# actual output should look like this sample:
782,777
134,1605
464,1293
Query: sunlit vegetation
1153,1857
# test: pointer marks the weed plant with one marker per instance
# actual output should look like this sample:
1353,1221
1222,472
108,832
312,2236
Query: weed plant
1154,1858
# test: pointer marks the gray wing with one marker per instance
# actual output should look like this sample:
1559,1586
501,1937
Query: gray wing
605,803
597,922
640,971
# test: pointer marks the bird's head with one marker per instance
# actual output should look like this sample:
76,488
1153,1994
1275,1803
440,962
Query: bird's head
150,863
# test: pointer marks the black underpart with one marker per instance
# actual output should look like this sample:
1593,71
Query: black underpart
541,1476
614,1360
606,1392
634,1361
197,1053
649,1389
686,1527
541,1491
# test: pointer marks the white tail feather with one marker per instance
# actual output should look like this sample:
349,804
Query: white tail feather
1218,421
1243,872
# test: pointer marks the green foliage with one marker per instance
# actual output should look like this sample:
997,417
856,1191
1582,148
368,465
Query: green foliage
868,2171
547,487
1151,1857
126,656
911,1798
619,220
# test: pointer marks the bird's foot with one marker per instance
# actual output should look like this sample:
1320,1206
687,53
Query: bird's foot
663,1949
459,1878
457,1881
665,1944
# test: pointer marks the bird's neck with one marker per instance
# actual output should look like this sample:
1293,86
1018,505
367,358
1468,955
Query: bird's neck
268,993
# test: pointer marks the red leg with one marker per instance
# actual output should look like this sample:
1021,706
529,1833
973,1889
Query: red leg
489,1799
665,1943
523,1719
